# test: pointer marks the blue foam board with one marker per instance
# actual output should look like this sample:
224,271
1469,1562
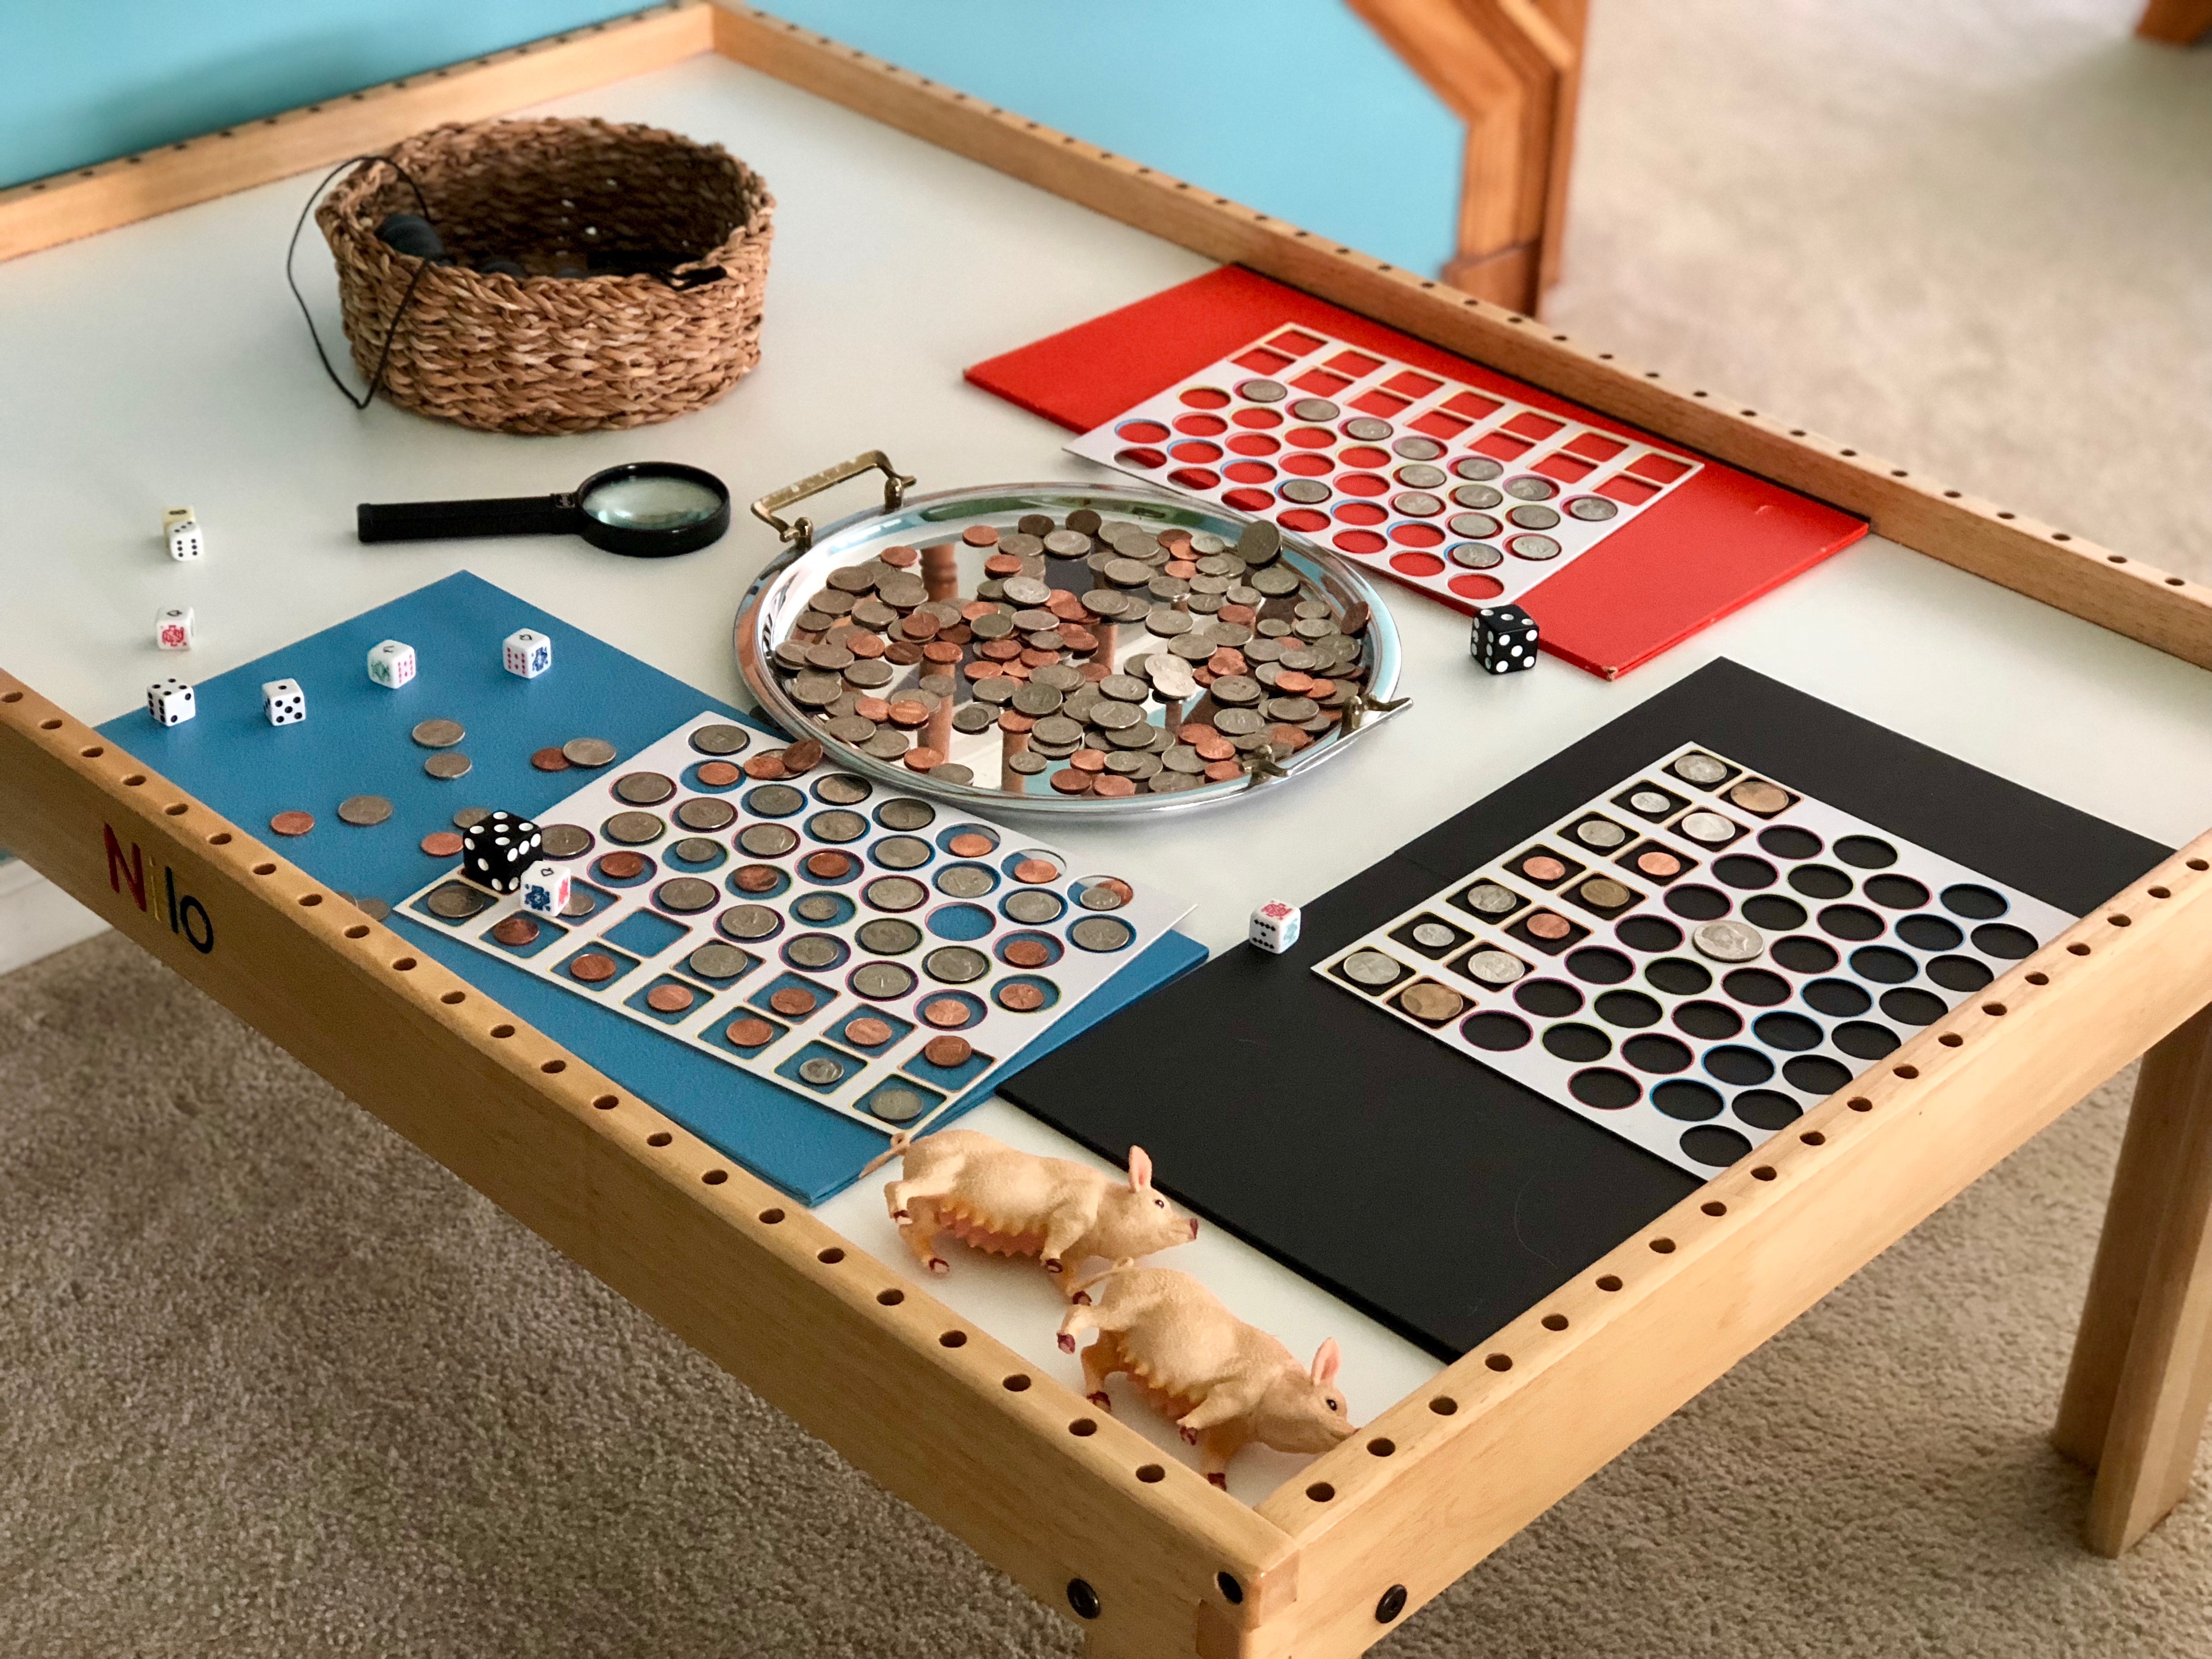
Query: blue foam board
356,741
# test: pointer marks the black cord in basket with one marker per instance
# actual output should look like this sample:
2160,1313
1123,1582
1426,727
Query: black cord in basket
383,355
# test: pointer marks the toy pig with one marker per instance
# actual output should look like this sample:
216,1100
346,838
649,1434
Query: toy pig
1225,1383
1014,1203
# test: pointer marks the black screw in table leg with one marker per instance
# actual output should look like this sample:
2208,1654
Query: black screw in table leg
1231,1591
1084,1600
1391,1604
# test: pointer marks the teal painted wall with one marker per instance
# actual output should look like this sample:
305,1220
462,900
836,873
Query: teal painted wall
1290,104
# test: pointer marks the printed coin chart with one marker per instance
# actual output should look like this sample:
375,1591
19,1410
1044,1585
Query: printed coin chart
1695,956
861,949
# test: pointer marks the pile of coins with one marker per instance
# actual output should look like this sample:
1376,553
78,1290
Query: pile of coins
1105,659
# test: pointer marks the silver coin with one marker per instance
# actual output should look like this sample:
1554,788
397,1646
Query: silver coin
1727,940
749,921
718,961
1027,590
469,816
1367,429
1535,517
831,657
904,813
581,904
973,718
767,840
448,766
455,902
1699,768
1034,907
1315,409
956,964
1529,489
634,829
1492,967
1101,896
437,734
590,752
843,789
1434,935
1594,508
706,813
1477,497
685,895
1533,546
1101,933
1489,899
375,908
887,936
1371,968
1259,542
1476,526
364,809
1238,690
823,909
882,981
1709,828
1652,802
868,675
1477,469
887,744
1025,764
965,881
697,849
903,852
1304,491
1417,504
1237,722
815,951
1598,832
821,1070
1109,716
837,827
897,1104
774,800
895,893
1476,555
1062,545
1263,391
1036,701
1276,582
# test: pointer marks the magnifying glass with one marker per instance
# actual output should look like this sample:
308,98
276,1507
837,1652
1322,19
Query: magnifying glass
646,510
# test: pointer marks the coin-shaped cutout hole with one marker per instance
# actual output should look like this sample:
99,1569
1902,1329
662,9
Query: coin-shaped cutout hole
1787,841
1959,973
1649,933
1631,1009
2002,939
1840,998
1734,1064
1495,1032
1757,986
1895,892
1767,1109
1741,870
1850,922
1883,965
1865,851
1862,1039
1974,903
1577,1043
1650,1052
1929,932
1713,1146
1678,975
1692,1102
1709,1021
1605,1089
1773,913
1801,953
1696,903
1598,965
1792,1033
961,921
1548,998
1912,1006
1816,1074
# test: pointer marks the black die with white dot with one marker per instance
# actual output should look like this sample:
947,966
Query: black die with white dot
1503,641
498,850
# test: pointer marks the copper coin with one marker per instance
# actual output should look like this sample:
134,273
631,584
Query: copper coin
922,758
1542,868
1213,747
669,999
718,775
802,756
1657,863
1546,925
872,709
1072,782
1114,787
1605,893
948,1051
1292,683
908,712
1013,720
1022,999
864,645
441,843
793,1001
550,760
1122,892
1757,795
970,845
898,555
621,866
1088,760
293,823
762,766
1037,870
592,968
516,930
1223,771
748,1033
756,878
1431,1002
946,1012
980,535
1002,564
867,1033
1027,952
829,865
941,651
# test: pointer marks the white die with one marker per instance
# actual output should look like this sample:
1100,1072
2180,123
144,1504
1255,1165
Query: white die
180,527
283,702
545,889
1274,926
173,629
527,652
170,703
392,663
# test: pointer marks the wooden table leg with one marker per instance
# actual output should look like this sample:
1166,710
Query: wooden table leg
2141,1377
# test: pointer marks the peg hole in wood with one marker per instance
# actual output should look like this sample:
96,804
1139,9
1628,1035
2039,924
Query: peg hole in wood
2197,864
1993,1008
1608,1281
1231,1591
770,1216
1605,356
175,811
93,753
502,1031
1764,1172
554,1067
1697,394
50,725
2008,515
2161,892
891,1298
2117,920
1443,1405
1018,1383
1555,1321
1381,1446
1498,1361
357,933
1814,1138
1796,431
1320,1492
606,1102
1847,452
716,1177
264,869
1150,1473
1749,414
830,1257
404,965
452,997
11,696
953,1340
2077,949
1950,1039
221,838
1897,472
1663,1246
2175,582
1714,1207
1080,1596
1083,1427
1391,1604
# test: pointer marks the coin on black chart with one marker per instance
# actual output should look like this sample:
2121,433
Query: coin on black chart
1699,768
364,809
589,751
1432,1002
448,766
1368,968
437,734
1492,967
1599,832
1488,898
1708,827
1434,935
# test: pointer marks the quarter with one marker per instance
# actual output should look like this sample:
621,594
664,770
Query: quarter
716,961
887,936
904,812
1101,933
903,852
883,981
1605,893
767,840
1708,827
956,964
644,788
1033,908
437,734
1367,429
895,893
816,951
706,813
448,766
685,895
634,829
1371,968
364,809
1492,967
821,1070
1599,832
1699,768
896,1104
1488,898
1727,940
749,921
593,752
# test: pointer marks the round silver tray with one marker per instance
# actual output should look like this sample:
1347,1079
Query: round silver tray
781,593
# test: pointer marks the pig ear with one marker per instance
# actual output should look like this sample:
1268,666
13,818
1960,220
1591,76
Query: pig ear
1327,1358
1140,1169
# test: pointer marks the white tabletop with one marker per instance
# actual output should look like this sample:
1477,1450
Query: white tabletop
165,363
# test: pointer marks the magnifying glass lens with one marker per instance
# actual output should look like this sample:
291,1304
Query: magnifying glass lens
647,502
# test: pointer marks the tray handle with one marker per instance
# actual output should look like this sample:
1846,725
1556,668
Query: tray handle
798,533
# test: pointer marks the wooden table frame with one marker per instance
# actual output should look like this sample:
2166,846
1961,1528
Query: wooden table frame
945,1416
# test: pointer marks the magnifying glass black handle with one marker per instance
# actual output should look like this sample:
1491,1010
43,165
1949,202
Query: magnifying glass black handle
427,521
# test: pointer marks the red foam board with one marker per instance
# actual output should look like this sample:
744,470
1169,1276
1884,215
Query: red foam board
1713,545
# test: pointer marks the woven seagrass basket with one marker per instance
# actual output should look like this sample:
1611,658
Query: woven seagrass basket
555,354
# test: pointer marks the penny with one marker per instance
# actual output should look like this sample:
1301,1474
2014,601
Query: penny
644,788
1547,924
1600,833
1492,967
764,766
1542,867
1101,933
441,844
1757,795
948,1051
821,1070
1699,768
749,921
1021,998
588,752
970,845
706,813
748,1033
516,930
685,895
669,998
802,757
956,964
1434,936
1431,1001
882,981
717,774
896,1105
364,809
830,865
922,758
437,734
1656,862
1488,898
634,829
592,968
1371,968
298,824
794,1000
1605,893
550,760
721,739
1037,870
1727,940
757,878
718,961
447,767
1708,827
946,1012
866,1032
621,866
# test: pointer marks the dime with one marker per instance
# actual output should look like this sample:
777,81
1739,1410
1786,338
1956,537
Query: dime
364,809
1542,867
1656,861
621,866
706,813
550,760
1034,908
792,1000
1431,1002
749,921
1371,968
447,766
903,852
882,981
748,1033
1727,940
815,951
293,823
590,751
956,964
896,1105
1492,967
516,930
768,840
685,895
716,961
1034,871
1488,898
865,1032
441,844
1699,768
1101,933
1708,827
592,968
669,999
1547,924
1652,802
634,829
1605,893
895,893
946,1011
1020,997
1434,936
1598,832
821,1070
1757,795
437,734
644,788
